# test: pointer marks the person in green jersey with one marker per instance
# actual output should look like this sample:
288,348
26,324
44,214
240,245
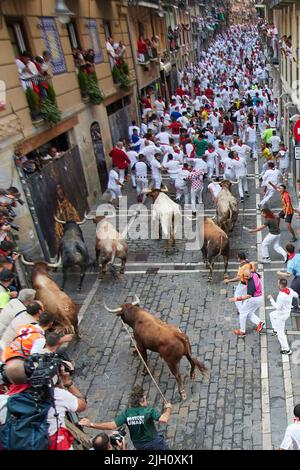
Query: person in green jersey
201,145
268,134
140,420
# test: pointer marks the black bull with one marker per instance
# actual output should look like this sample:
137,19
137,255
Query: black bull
73,251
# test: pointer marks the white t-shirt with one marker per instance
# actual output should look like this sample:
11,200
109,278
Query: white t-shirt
149,152
130,130
173,167
112,180
132,155
284,159
275,142
211,158
291,437
141,170
64,401
163,137
272,176
155,168
251,131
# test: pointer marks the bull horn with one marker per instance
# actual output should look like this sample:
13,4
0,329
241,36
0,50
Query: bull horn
63,222
89,217
234,182
137,300
164,190
27,263
55,265
112,310
83,221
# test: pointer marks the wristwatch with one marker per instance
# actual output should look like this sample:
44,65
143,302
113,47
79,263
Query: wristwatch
91,425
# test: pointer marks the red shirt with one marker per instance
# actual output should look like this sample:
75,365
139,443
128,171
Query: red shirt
180,92
209,93
119,158
175,128
142,47
228,128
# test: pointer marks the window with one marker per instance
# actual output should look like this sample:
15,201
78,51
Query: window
107,29
141,29
117,105
73,36
16,35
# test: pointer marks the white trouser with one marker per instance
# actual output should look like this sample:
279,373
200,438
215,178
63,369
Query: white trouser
241,289
269,193
272,240
141,184
278,320
194,194
211,167
248,309
122,176
115,192
252,145
157,180
133,179
243,185
227,138
182,190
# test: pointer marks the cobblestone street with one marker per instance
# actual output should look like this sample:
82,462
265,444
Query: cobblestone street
245,404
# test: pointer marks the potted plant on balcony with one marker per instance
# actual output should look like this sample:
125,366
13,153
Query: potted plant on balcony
33,103
49,108
121,74
83,84
94,92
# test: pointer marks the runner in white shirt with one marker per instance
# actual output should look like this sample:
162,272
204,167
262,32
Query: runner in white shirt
284,161
160,106
274,176
149,150
291,438
133,157
133,126
214,189
156,171
228,167
211,160
163,136
181,184
275,143
173,167
140,169
240,172
251,139
114,186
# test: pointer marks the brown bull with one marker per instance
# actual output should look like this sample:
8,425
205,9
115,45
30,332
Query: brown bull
54,300
215,243
168,340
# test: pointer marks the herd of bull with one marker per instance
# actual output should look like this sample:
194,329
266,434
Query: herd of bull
149,332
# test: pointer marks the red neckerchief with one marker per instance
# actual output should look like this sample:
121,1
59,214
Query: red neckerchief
236,158
286,290
210,150
222,147
291,256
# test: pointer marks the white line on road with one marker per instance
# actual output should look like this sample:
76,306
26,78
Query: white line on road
88,300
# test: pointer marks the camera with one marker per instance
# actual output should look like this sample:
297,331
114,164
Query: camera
117,437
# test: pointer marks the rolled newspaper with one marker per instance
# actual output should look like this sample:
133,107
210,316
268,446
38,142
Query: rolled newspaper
247,229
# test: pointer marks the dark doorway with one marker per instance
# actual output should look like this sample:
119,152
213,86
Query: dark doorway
99,154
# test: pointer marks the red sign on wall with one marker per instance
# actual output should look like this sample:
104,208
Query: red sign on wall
297,131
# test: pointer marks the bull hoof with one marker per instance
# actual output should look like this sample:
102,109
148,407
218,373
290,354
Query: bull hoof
122,271
79,289
182,395
226,276
209,279
101,275
193,376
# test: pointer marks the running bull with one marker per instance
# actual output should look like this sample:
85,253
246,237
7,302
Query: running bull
166,216
54,300
215,243
110,244
168,340
73,250
227,208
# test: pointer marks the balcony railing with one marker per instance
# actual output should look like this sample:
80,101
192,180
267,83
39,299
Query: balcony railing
41,99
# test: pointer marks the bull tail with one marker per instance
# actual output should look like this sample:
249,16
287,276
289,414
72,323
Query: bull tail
113,255
192,360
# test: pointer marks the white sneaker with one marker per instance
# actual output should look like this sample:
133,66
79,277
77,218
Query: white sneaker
266,260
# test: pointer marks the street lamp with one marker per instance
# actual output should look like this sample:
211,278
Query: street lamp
62,12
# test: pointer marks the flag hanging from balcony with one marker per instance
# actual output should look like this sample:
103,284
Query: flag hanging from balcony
53,44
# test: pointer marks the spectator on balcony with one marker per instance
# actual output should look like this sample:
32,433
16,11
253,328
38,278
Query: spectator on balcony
121,50
78,58
43,63
112,55
142,49
89,56
27,70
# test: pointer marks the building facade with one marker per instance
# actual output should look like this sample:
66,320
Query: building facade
62,90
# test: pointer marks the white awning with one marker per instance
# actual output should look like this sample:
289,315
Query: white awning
148,5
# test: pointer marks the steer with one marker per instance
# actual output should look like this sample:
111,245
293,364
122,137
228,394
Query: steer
227,208
215,243
73,250
54,300
110,244
166,216
168,340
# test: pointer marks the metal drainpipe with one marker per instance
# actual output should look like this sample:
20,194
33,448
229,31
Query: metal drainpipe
134,65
